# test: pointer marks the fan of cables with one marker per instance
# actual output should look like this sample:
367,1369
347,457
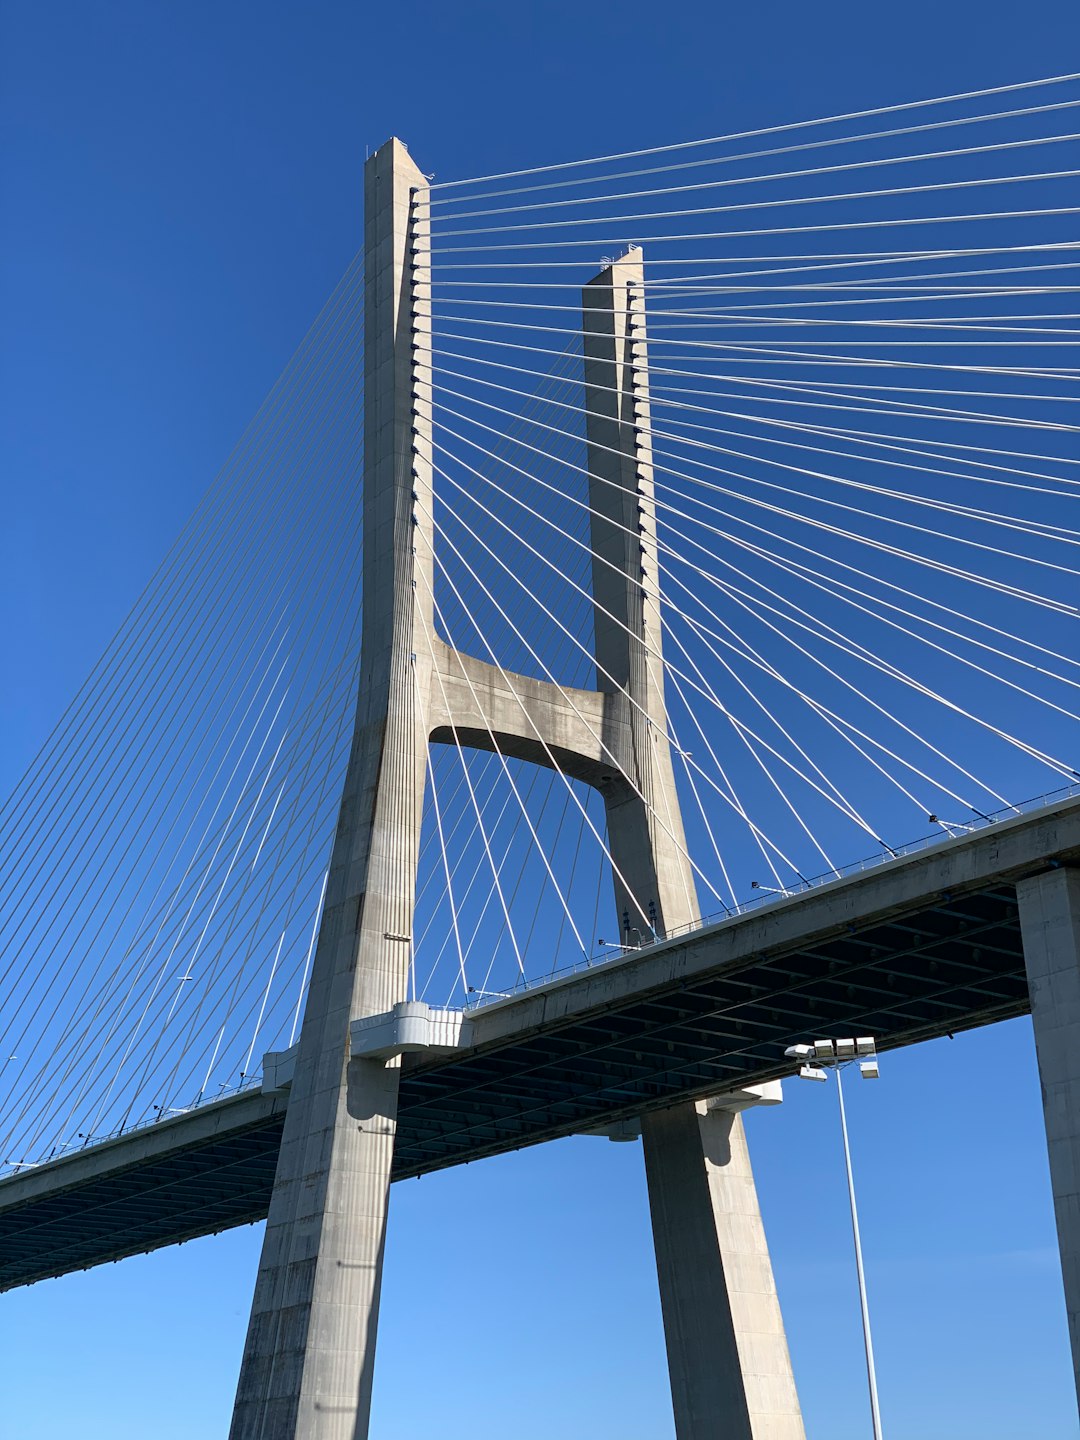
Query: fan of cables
858,357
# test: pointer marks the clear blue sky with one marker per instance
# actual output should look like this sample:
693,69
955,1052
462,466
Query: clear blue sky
180,186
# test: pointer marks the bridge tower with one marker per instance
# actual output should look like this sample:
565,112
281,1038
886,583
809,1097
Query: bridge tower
309,1353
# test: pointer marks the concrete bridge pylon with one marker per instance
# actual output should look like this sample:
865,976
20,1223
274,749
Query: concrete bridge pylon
309,1355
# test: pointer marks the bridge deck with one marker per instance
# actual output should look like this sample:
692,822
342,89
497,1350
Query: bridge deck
922,946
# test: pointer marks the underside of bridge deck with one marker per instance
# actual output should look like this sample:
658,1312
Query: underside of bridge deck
686,1018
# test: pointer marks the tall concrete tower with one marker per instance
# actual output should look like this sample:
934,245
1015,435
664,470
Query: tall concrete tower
310,1349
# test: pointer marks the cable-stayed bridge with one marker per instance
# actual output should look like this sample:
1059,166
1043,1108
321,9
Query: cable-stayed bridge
629,540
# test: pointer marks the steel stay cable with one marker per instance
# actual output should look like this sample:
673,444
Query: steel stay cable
182,676
974,578
771,555
710,694
762,178
802,359
192,582
202,771
533,778
322,813
548,675
839,724
215,495
167,962
494,660
760,838
851,436
780,203
196,647
446,866
502,564
1063,537
556,949
886,667
855,438
833,717
161,594
1012,739
819,261
134,1098
1064,534
64,993
734,593
767,130
761,664
104,994
465,895
489,756
264,743
509,778
787,490
468,781
771,382
161,786
790,568
844,804
912,410
198,851
671,287
840,294
195,817
774,355
661,397
705,821
14,987
347,644
318,706
549,379
685,239
752,155
846,808
725,321
705,320
310,953
697,545
837,388
536,771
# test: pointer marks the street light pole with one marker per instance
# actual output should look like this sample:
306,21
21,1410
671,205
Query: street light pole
835,1054
871,1374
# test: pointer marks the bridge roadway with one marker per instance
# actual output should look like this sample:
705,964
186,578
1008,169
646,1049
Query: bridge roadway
921,946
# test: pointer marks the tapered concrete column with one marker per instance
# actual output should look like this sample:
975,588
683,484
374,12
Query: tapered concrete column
727,1353
654,882
1050,925
310,1349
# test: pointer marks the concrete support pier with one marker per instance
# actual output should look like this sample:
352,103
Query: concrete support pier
1050,925
727,1352
309,1354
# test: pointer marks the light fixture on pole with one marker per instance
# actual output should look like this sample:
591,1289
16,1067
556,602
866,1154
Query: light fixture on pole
815,1062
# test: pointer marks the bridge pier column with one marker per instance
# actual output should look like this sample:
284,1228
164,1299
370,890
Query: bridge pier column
310,1350
727,1352
1050,925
